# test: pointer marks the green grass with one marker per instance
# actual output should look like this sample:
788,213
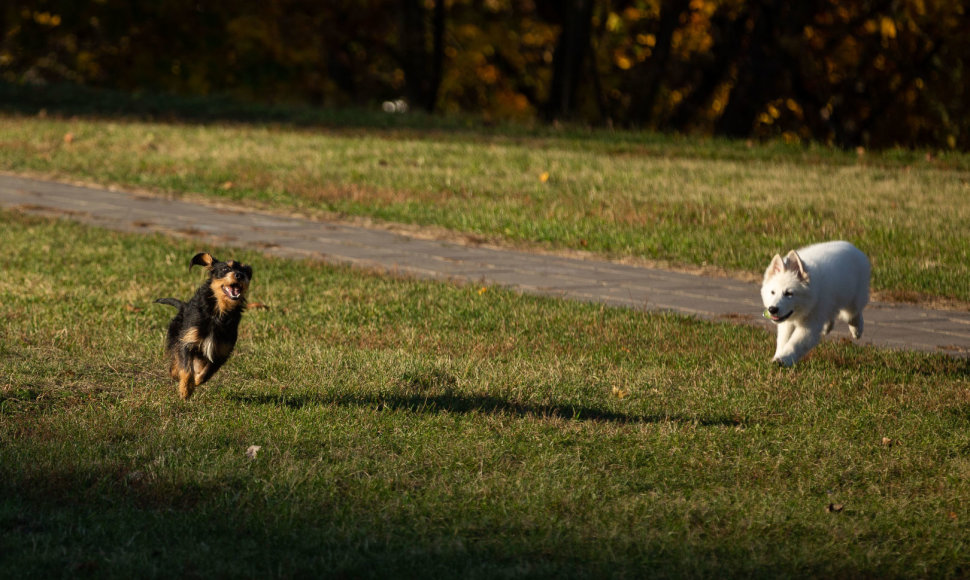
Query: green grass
675,201
410,428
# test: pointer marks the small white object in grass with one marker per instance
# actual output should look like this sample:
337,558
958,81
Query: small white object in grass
397,106
252,451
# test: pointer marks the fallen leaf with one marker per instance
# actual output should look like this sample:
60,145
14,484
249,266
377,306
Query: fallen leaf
544,176
620,393
69,138
133,308
952,516
252,451
834,508
226,185
887,441
257,306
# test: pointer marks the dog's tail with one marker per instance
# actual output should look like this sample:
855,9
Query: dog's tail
171,302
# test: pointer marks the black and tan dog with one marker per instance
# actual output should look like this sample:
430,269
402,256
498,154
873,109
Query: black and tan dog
204,331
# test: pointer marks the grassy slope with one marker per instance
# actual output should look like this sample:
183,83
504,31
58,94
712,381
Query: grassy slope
677,201
411,428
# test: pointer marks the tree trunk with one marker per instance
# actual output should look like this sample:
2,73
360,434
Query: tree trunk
670,14
569,56
422,68
756,76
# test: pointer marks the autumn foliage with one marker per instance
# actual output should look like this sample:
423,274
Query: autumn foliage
874,73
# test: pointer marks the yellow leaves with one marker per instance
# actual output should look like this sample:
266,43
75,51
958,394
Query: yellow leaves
769,115
632,14
544,177
614,22
887,27
43,18
622,61
775,110
488,74
707,8
647,40
620,393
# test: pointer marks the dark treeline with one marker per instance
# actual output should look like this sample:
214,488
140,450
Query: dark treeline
874,73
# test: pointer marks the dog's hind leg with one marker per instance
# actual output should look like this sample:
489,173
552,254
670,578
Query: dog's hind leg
855,326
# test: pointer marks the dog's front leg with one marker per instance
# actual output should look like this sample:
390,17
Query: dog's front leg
803,339
186,383
203,370
785,330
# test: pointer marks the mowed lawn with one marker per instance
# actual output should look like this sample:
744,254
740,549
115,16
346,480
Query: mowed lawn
416,429
678,202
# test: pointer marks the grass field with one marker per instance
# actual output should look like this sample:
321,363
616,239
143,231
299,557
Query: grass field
418,429
674,201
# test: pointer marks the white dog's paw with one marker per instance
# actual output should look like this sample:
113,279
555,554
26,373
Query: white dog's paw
855,327
785,361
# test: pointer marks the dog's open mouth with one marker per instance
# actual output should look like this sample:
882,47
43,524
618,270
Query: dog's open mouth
233,291
776,318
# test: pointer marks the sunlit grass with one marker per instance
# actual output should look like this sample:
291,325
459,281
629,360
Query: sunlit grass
414,428
674,201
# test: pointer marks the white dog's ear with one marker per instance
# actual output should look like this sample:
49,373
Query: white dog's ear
777,266
794,264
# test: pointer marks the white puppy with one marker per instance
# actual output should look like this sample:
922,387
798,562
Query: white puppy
805,292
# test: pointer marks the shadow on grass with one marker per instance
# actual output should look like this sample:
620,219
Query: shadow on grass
486,404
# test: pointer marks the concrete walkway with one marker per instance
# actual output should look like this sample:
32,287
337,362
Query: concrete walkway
893,326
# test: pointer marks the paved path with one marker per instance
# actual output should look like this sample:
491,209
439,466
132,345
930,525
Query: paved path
894,326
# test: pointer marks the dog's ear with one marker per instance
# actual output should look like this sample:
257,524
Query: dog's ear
248,270
777,266
203,259
794,264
